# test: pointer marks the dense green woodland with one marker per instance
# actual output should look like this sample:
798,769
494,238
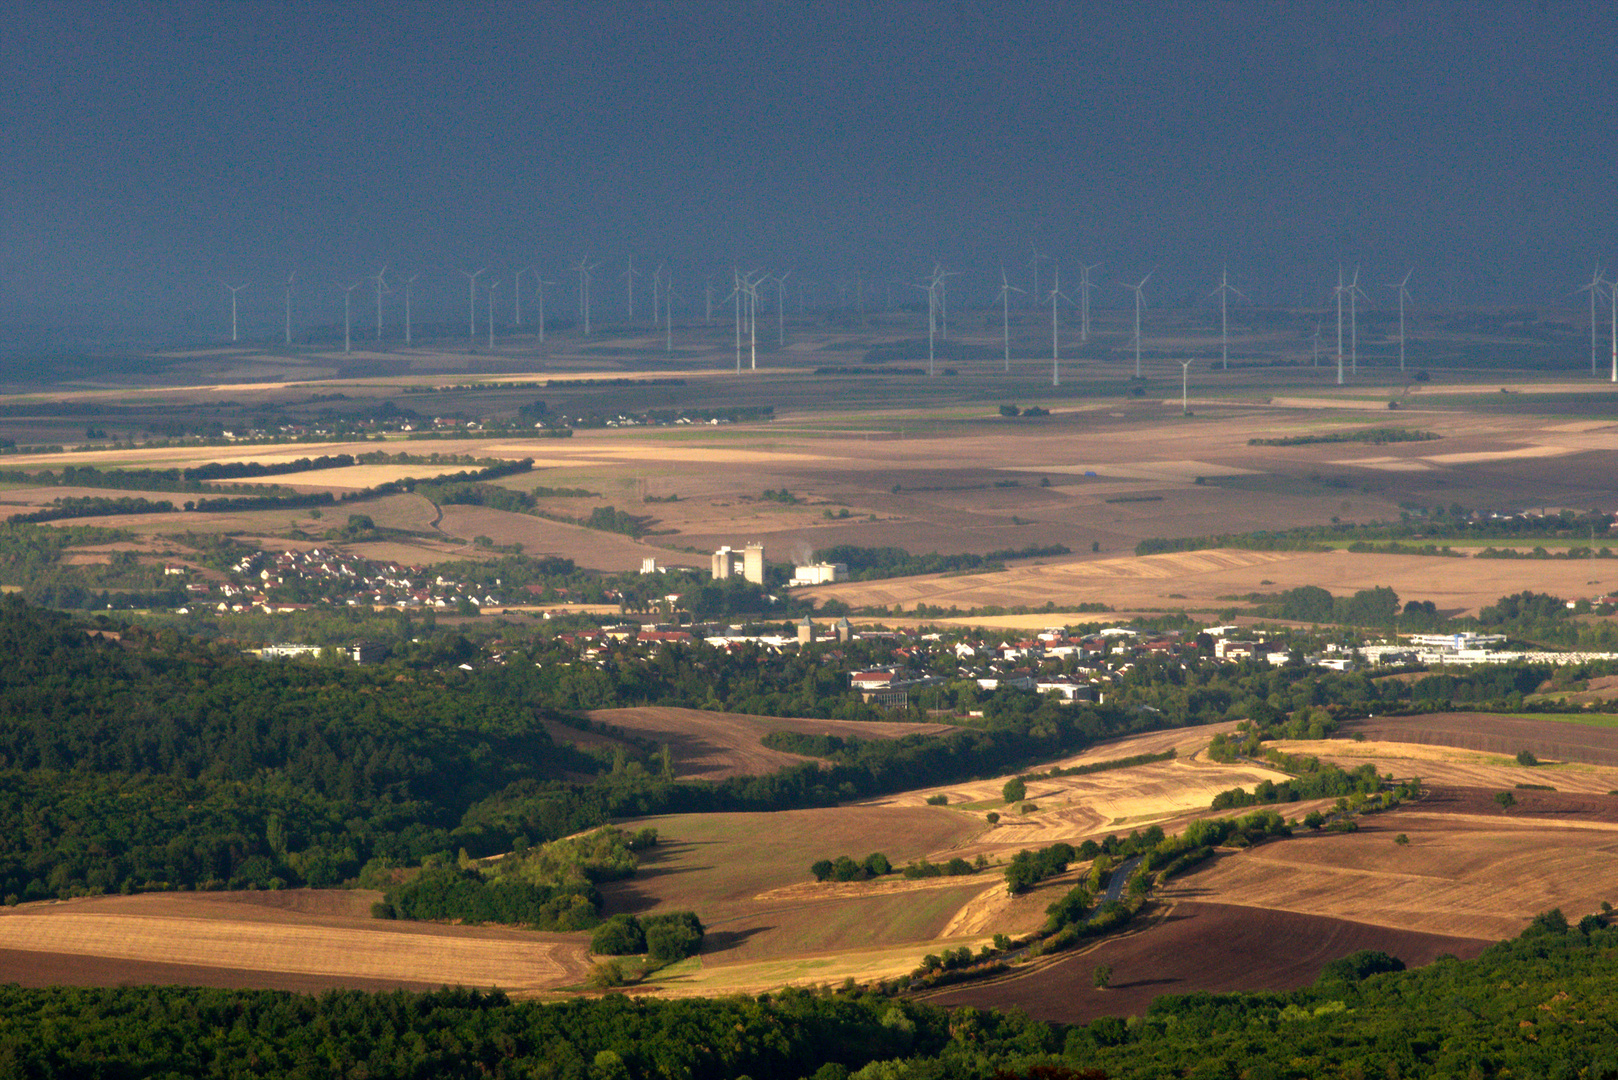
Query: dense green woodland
1541,1007
160,761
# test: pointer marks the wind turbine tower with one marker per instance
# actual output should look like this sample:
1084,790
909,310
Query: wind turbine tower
541,283
1612,294
493,285
781,309
348,297
1085,286
931,289
1223,292
381,287
234,289
629,276
1354,293
1404,294
472,303
1341,288
410,281
1034,262
516,293
583,268
1594,289
1185,376
293,276
1006,289
1140,302
1056,353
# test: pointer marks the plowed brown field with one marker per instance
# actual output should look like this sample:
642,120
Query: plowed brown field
1217,948
1560,740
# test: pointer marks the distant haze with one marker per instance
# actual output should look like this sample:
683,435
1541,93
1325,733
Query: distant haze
154,151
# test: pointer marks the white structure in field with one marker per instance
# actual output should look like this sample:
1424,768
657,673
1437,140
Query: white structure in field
819,573
747,563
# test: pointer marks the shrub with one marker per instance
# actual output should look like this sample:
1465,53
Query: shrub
673,936
621,935
1015,790
938,800
1524,757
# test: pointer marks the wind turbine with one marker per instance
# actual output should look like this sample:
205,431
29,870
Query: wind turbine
943,277
293,276
381,287
583,268
751,283
1140,302
1354,293
781,309
516,293
736,292
1594,289
472,303
657,295
1084,300
668,308
1223,292
408,283
1612,293
1185,375
932,306
1404,294
1341,288
1034,262
493,285
541,282
348,296
1006,289
234,289
629,276
1056,294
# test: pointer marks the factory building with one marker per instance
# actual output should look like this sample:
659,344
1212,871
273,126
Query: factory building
747,563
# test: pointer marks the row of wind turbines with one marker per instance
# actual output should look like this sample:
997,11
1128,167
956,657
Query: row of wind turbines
746,290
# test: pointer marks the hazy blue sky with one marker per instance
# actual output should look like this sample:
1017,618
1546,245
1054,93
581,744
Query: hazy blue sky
153,150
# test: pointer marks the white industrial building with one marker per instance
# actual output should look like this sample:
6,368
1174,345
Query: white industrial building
819,573
747,563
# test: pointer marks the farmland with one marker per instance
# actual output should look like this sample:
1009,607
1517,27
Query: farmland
924,465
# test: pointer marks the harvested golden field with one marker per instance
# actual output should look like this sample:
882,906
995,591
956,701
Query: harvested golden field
296,940
715,745
1212,579
1457,767
1466,875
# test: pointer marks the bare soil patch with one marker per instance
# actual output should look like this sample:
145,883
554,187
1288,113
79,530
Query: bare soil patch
1200,947
713,746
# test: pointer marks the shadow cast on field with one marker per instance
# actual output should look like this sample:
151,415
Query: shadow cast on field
718,941
1142,982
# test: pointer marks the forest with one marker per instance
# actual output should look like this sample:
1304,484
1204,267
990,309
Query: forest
1542,1005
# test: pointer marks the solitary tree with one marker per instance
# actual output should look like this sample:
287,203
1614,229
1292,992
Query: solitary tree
1506,800
1103,976
1525,757
1015,790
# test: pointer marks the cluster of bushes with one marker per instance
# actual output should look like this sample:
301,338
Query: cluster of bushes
92,506
1029,868
667,937
956,867
844,868
1116,763
1377,436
